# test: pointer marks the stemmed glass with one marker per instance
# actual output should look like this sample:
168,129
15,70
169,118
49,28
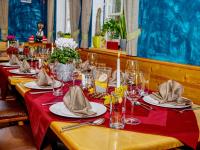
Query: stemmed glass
133,94
133,81
92,58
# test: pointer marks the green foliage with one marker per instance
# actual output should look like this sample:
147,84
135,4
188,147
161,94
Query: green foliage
64,56
110,26
115,27
121,26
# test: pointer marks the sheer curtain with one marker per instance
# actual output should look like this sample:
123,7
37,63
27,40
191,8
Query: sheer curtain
50,20
131,8
85,22
4,18
75,10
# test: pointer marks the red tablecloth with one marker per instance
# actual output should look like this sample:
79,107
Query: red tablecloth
4,74
161,121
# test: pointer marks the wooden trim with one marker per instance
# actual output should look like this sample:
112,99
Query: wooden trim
187,75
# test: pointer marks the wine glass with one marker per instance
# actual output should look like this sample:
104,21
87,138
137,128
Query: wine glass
131,67
145,75
92,58
133,94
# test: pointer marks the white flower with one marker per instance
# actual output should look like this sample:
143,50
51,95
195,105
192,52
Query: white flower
66,42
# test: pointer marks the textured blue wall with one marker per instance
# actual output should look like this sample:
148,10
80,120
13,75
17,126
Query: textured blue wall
170,30
23,18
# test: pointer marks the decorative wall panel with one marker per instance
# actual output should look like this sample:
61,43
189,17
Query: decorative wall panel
23,17
170,30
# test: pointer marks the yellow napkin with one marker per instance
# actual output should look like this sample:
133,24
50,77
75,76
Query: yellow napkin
77,103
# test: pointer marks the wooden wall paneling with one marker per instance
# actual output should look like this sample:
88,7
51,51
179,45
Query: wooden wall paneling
187,75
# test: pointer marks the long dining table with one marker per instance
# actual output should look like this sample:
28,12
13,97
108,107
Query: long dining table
103,137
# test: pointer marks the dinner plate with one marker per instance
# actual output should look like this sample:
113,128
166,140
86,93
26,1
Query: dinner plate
7,64
152,101
33,85
61,110
16,71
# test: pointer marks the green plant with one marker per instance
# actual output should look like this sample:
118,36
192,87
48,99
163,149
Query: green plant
121,27
115,27
65,55
111,26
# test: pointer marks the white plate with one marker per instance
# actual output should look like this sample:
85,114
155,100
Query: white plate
61,110
16,71
152,101
33,85
7,64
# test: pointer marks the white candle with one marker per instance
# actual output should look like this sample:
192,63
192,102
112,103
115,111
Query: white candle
8,44
118,70
52,48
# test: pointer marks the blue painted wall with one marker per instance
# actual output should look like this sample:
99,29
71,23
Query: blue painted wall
23,18
170,30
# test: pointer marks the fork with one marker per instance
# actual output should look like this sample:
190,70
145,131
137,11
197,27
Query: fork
187,109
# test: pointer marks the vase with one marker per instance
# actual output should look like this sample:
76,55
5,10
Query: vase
97,41
67,69
112,45
123,44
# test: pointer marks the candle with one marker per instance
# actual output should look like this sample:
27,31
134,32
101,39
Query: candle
52,49
118,70
8,44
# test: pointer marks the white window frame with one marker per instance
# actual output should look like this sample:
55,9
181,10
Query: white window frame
109,14
63,17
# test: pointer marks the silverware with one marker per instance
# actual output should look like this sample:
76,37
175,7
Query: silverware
41,92
187,109
143,105
94,122
49,103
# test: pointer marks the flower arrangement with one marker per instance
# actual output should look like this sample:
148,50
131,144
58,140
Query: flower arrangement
12,50
65,51
10,38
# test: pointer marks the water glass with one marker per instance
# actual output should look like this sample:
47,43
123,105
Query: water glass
101,76
92,58
117,111
87,81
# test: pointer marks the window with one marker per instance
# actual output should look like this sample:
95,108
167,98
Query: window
114,8
63,16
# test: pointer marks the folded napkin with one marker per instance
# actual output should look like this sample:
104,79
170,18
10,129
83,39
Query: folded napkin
85,66
113,80
14,60
77,103
171,92
43,79
24,67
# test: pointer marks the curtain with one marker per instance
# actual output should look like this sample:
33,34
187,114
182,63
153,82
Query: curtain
131,8
50,20
4,18
85,22
75,10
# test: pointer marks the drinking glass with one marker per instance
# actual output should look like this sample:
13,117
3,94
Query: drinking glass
74,76
131,67
133,94
145,75
101,76
117,111
92,58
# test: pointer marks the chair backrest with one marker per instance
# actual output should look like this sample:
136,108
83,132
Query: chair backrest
3,46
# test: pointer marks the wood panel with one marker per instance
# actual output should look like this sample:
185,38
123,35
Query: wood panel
187,75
